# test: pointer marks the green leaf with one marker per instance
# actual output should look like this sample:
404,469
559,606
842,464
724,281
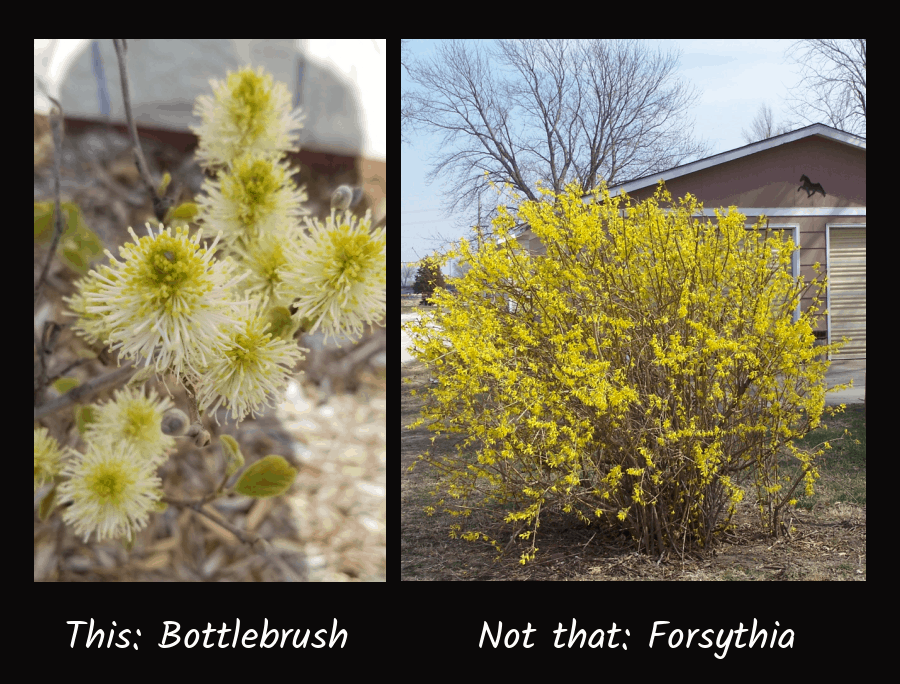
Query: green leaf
183,213
270,476
159,506
142,376
234,459
164,184
63,385
84,416
43,222
127,542
78,245
48,503
281,323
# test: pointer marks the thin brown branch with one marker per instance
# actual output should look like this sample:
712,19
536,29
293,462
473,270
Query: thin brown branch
160,204
249,538
56,123
259,545
85,391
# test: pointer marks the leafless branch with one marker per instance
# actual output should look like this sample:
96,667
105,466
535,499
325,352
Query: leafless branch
56,122
763,126
259,545
575,111
160,204
57,119
85,391
835,73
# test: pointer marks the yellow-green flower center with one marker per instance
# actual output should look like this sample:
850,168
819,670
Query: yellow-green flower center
109,482
170,273
141,422
244,351
253,185
251,99
355,253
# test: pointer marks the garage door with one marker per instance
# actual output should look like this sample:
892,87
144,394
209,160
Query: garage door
847,297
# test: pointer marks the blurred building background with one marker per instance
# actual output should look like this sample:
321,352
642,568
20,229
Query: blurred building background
339,84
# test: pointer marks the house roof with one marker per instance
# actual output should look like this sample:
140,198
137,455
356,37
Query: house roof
814,130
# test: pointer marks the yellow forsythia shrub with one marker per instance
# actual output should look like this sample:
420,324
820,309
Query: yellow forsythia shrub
627,375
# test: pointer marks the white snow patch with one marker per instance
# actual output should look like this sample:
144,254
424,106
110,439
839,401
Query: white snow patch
406,342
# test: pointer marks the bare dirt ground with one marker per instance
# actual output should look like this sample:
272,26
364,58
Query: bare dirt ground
829,541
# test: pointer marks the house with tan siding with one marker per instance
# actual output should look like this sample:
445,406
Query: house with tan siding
764,178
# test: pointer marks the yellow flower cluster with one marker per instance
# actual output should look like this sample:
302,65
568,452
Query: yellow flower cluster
649,357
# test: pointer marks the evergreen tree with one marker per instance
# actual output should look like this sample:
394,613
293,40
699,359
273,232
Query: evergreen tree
428,278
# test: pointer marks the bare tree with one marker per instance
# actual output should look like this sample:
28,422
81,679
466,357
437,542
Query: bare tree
407,271
458,268
575,111
763,126
836,74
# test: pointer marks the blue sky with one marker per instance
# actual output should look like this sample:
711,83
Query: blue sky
733,78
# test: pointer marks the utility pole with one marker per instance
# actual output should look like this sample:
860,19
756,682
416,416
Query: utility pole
478,227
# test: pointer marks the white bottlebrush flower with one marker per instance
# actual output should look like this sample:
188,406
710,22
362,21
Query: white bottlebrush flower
264,260
167,301
336,274
92,327
133,419
247,113
252,368
47,457
112,491
254,196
